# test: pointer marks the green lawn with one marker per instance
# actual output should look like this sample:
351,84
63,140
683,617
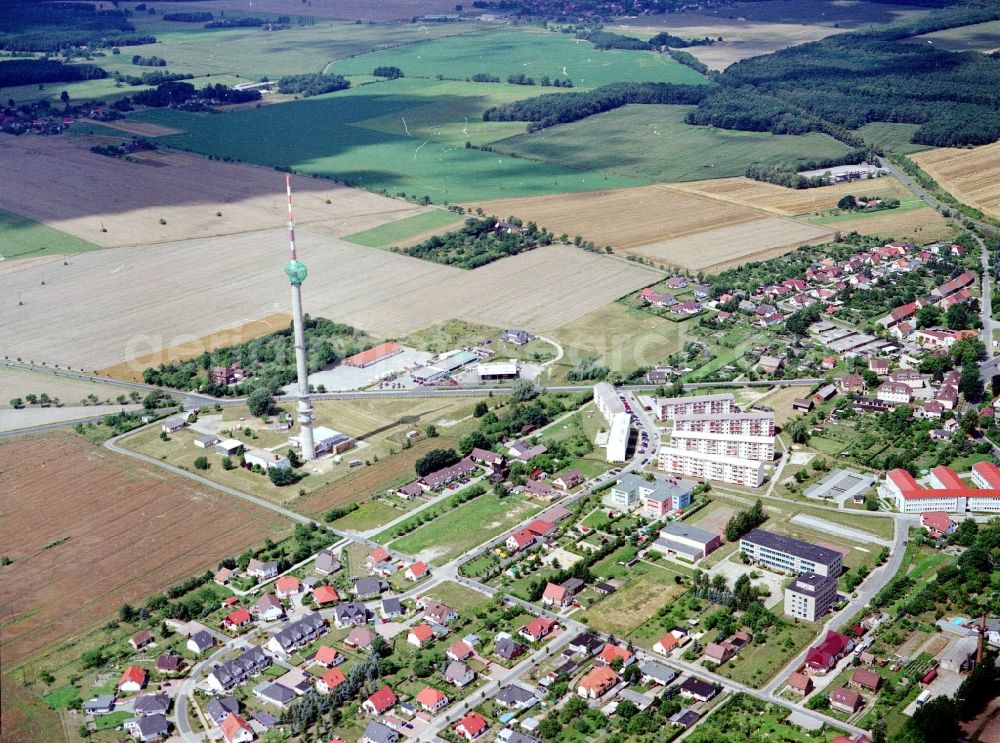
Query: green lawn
459,530
458,597
756,664
331,141
109,722
977,37
905,205
369,515
21,237
653,142
62,698
389,234
513,51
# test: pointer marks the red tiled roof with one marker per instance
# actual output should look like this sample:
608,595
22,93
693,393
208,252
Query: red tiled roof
539,527
287,584
382,699
233,724
379,554
430,697
334,678
326,654
238,617
473,724
418,569
134,674
373,354
325,595
422,632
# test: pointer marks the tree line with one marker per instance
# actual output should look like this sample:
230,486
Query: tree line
51,27
312,84
787,174
560,108
198,16
34,71
174,93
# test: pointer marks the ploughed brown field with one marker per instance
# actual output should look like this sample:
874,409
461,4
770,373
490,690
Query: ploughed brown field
89,530
116,203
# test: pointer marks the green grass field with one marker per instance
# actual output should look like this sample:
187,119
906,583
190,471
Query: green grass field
21,237
329,141
895,137
513,51
653,142
389,234
978,37
447,537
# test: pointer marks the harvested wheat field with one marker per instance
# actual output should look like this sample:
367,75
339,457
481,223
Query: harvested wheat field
921,225
740,38
138,302
972,176
623,218
102,531
715,250
791,201
128,199
131,370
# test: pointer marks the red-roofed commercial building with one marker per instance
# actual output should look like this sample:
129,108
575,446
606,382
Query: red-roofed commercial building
540,528
948,492
373,355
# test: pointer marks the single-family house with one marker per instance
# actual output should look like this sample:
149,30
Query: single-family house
569,480
200,641
349,614
800,684
846,700
287,586
459,651
610,653
359,638
327,563
438,613
537,629
431,700
330,681
391,608
376,732
262,570
328,657
459,674
472,727
381,701
507,648
219,708
269,608
132,680
420,635
695,688
665,644
324,595
597,682
867,679
416,571
148,728
151,704
236,730
654,673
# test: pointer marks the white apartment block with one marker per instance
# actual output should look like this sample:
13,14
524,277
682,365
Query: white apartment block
753,423
759,448
668,408
607,401
719,467
621,430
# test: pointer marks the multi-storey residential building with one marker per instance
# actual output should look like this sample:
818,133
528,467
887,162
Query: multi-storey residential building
760,448
732,470
669,408
789,555
810,596
752,423
607,401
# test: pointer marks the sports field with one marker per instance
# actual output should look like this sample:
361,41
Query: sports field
791,201
329,139
534,53
654,143
971,175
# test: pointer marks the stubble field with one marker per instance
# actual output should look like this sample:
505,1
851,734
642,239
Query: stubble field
99,531
384,293
624,218
716,249
971,175
127,200
790,201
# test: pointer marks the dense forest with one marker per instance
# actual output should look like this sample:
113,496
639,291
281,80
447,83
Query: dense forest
34,71
270,358
312,84
553,108
50,27
198,16
480,242
855,78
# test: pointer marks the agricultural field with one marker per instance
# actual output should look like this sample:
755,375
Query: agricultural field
448,536
895,137
624,218
621,337
94,502
971,175
789,201
913,220
406,230
977,37
512,51
22,238
820,12
114,203
741,38
347,283
716,249
331,141
384,10
652,142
